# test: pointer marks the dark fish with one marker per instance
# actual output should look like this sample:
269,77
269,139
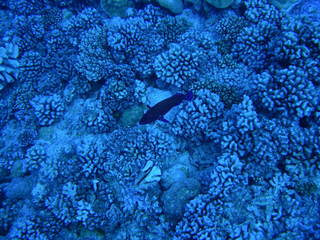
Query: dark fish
158,111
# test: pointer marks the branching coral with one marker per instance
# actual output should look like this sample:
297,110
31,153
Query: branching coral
237,129
197,119
118,92
135,147
288,92
48,109
252,45
126,38
91,156
31,65
297,44
152,14
171,28
229,83
97,119
9,64
29,32
23,7
26,229
248,141
216,216
142,62
178,66
77,25
35,156
94,58
262,10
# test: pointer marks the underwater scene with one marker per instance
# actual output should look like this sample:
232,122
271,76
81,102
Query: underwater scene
160,119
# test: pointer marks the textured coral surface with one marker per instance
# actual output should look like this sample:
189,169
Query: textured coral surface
232,150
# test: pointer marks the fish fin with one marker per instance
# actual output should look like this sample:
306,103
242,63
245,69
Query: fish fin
163,119
189,95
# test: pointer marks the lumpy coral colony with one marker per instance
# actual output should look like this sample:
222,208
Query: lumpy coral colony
240,160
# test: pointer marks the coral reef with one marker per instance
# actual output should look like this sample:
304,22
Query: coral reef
23,7
178,66
9,64
197,119
237,159
48,109
34,157
94,60
288,92
76,25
